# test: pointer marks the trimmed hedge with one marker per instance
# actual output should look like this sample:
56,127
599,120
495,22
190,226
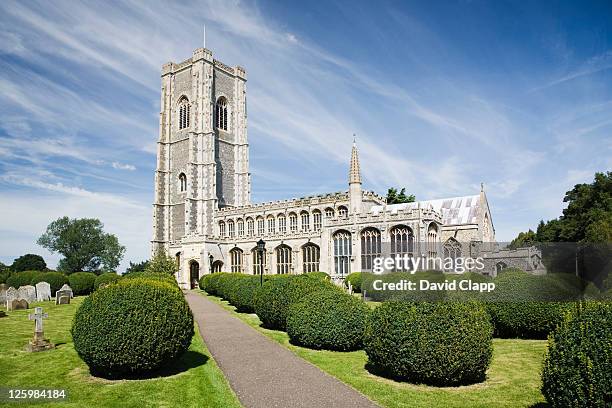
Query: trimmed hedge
55,279
318,275
328,320
355,279
105,279
132,327
578,364
369,279
161,277
445,343
24,278
82,283
273,300
210,282
243,291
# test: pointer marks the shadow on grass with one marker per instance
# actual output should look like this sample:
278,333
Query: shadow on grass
540,405
191,359
377,371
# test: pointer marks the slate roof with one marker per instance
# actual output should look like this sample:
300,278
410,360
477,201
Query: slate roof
455,211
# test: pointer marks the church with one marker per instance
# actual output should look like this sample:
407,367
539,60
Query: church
203,215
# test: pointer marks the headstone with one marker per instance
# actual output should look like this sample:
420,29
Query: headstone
66,287
3,289
28,293
43,291
62,297
17,304
38,343
11,294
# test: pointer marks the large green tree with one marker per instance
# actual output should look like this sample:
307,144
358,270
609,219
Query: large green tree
395,197
162,263
29,262
136,267
84,245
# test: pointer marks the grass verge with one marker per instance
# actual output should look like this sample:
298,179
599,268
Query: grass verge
513,379
194,380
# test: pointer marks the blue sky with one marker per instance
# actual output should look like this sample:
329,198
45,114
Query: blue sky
442,96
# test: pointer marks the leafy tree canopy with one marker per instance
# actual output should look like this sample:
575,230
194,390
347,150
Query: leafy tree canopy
136,267
162,263
587,218
393,197
84,245
29,262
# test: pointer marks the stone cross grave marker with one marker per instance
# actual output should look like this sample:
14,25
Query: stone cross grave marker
28,293
38,343
43,291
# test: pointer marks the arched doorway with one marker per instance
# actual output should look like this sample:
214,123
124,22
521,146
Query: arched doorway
194,274
500,266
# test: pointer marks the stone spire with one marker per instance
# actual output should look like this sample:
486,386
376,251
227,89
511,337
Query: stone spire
355,194
354,172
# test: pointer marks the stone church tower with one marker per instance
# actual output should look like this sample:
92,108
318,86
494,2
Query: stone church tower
202,150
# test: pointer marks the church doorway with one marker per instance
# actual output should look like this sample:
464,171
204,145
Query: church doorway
194,274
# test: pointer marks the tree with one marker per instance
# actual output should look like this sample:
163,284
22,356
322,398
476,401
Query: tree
524,239
136,267
84,245
162,263
393,197
29,262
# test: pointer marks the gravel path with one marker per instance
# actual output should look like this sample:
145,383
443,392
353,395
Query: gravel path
263,373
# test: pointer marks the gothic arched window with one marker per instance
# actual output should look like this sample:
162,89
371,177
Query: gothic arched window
370,248
305,221
240,224
183,113
432,240
329,212
221,114
283,259
250,227
236,260
261,226
259,262
222,229
293,222
342,252
402,241
316,220
452,250
182,182
282,223
230,228
342,211
271,224
310,256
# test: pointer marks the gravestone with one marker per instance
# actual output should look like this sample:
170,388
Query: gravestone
3,289
62,297
17,304
28,293
43,291
11,294
67,287
38,343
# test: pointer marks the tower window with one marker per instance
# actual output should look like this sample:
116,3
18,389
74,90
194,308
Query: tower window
221,114
183,113
182,182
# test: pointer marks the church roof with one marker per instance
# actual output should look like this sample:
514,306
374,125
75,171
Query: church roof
454,211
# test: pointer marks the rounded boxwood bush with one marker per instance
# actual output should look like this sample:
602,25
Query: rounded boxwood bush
157,276
105,279
328,320
578,365
273,299
210,283
318,275
55,279
443,343
82,283
370,285
132,327
355,280
243,293
24,278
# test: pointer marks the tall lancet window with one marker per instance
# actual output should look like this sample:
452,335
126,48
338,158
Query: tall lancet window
182,182
183,113
221,114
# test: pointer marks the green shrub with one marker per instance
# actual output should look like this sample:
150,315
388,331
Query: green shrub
210,283
369,279
82,283
355,280
105,279
161,277
225,285
24,278
442,343
327,320
55,279
528,306
4,275
132,327
243,293
578,364
272,301
318,275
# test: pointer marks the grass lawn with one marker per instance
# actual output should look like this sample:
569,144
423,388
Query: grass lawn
513,379
192,381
